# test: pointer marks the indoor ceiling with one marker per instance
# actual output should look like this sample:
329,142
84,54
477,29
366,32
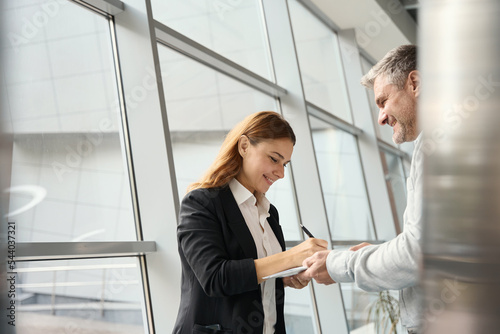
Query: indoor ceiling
380,25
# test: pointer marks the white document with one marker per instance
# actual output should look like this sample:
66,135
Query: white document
286,273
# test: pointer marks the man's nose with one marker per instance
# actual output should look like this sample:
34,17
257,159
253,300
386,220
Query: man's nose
382,117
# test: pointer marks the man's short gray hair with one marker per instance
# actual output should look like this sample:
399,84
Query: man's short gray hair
396,65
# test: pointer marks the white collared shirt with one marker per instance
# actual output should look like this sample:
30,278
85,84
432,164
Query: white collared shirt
255,213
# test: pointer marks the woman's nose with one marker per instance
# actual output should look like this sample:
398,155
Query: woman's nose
280,171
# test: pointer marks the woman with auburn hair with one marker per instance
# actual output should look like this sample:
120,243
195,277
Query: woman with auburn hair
229,235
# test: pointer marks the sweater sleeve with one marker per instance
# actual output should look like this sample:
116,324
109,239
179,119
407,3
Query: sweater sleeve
390,266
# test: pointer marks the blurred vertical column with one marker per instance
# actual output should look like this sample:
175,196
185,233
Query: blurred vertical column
460,109
5,173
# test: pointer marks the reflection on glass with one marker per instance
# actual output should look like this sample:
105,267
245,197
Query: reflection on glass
80,296
342,181
398,184
408,148
235,29
68,154
202,106
357,304
361,309
320,63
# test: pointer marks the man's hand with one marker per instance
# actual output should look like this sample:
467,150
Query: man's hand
316,268
295,282
359,246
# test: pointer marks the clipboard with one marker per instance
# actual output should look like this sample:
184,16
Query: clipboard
286,273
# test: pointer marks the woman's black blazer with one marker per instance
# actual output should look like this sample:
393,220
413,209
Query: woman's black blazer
219,281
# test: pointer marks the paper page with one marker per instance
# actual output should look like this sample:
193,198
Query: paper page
286,273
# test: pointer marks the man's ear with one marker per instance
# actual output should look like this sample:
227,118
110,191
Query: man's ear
414,82
243,144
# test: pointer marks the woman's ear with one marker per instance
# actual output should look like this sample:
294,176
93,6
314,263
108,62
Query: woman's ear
243,144
414,81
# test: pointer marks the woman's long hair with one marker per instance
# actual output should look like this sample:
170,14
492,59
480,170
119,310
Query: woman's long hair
260,126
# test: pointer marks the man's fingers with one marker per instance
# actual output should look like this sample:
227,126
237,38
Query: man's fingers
308,262
301,282
324,279
303,276
287,281
296,283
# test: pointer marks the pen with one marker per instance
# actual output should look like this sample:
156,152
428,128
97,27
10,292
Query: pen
306,231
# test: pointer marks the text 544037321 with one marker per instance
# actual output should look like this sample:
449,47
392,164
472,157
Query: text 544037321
11,274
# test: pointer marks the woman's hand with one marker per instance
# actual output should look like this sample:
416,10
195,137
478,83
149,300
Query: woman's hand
295,282
288,259
307,249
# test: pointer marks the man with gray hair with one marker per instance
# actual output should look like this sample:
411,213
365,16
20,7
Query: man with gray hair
393,265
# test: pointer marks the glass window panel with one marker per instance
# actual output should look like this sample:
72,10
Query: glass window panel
80,296
69,177
342,182
299,312
202,106
235,29
358,303
281,194
320,62
406,167
407,147
397,181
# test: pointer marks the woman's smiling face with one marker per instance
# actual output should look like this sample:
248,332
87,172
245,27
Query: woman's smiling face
263,163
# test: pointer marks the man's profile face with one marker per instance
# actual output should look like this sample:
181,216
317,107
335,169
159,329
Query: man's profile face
397,108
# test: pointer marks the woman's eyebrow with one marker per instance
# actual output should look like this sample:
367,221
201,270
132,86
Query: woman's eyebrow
282,157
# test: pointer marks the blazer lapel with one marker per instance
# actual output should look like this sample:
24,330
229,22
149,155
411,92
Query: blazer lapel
278,232
237,223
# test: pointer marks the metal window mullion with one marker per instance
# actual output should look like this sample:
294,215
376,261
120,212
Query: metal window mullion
41,251
386,147
327,21
200,53
104,7
307,186
153,164
319,14
124,134
390,191
369,151
332,119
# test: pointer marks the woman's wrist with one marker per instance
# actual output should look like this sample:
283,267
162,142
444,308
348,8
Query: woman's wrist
293,258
